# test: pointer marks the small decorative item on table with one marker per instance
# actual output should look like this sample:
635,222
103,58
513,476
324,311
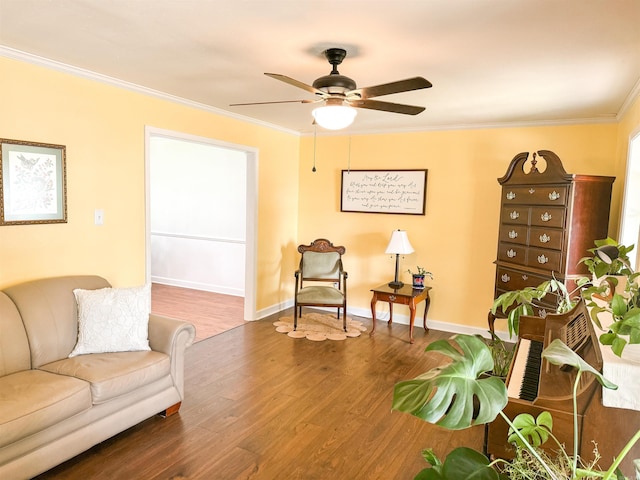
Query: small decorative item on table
418,278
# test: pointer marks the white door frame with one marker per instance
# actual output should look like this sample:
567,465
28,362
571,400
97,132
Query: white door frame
252,208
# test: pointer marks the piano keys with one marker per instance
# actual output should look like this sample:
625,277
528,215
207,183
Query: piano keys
534,385
525,374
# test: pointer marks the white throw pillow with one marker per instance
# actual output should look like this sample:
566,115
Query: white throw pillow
113,320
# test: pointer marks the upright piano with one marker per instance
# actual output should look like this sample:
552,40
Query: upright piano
534,385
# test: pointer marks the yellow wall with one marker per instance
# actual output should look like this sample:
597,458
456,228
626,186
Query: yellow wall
102,127
457,238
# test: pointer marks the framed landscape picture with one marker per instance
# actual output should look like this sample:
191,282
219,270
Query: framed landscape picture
32,183
384,191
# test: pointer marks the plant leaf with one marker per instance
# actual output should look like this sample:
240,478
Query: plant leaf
445,395
536,431
558,353
462,463
431,458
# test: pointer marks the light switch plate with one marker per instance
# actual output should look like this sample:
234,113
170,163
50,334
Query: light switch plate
99,216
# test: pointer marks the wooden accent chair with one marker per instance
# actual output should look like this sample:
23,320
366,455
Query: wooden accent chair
321,263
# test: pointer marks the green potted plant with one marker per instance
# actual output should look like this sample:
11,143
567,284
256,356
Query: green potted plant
522,302
612,294
445,396
418,278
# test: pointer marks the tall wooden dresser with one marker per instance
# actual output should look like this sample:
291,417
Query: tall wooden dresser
548,220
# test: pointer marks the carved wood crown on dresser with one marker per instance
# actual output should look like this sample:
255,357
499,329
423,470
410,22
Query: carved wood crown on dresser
548,221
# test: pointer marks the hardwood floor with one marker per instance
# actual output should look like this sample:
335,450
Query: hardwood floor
261,405
211,313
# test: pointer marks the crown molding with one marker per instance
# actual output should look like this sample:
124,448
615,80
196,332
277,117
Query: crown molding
14,54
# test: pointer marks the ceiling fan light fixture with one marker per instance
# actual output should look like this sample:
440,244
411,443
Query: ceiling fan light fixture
334,117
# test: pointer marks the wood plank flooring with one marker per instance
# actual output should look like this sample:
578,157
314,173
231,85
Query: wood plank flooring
261,405
211,313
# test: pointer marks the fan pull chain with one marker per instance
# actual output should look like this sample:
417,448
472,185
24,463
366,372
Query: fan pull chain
315,131
349,159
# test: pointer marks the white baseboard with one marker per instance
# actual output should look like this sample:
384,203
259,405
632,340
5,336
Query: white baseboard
198,286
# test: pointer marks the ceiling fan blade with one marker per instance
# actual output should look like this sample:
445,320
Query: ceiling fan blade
268,103
296,83
415,83
387,106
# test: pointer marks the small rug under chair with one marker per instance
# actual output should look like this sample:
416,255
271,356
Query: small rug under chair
319,326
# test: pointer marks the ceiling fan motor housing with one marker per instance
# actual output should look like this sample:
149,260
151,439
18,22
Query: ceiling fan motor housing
334,82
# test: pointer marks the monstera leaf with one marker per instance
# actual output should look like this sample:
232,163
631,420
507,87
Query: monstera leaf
461,463
558,353
445,395
535,430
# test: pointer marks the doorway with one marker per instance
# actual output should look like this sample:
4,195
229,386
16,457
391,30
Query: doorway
195,251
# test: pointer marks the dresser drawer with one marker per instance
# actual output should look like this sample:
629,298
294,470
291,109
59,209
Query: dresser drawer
548,216
544,237
544,258
508,279
515,214
512,253
535,195
514,234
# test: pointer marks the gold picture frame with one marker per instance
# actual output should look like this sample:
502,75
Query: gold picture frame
33,187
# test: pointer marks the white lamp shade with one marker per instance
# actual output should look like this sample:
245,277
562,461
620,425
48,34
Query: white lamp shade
399,243
334,117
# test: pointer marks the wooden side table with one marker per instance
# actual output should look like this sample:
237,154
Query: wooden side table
405,295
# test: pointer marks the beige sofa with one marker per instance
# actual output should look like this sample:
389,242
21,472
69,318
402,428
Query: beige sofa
53,407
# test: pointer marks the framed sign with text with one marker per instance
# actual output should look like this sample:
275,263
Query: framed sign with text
384,191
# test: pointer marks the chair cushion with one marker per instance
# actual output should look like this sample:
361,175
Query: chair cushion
319,294
113,374
32,400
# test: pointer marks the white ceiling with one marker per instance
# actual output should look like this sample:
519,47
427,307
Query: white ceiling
491,62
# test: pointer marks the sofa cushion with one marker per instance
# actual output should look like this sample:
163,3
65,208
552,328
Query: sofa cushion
14,346
113,374
32,400
113,320
50,314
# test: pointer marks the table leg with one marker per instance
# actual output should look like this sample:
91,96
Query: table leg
427,304
374,299
412,316
390,313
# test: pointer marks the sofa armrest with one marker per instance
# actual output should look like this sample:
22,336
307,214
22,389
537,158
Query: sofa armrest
172,337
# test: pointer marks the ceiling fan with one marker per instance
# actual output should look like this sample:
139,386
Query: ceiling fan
340,93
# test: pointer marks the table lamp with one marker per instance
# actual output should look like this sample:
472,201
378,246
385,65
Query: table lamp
398,245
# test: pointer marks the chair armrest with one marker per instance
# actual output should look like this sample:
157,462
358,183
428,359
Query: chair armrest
172,337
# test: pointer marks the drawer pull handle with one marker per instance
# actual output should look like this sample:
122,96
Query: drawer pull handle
392,298
511,253
505,278
511,196
513,215
544,238
542,259
545,217
513,234
525,277
554,195
532,190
